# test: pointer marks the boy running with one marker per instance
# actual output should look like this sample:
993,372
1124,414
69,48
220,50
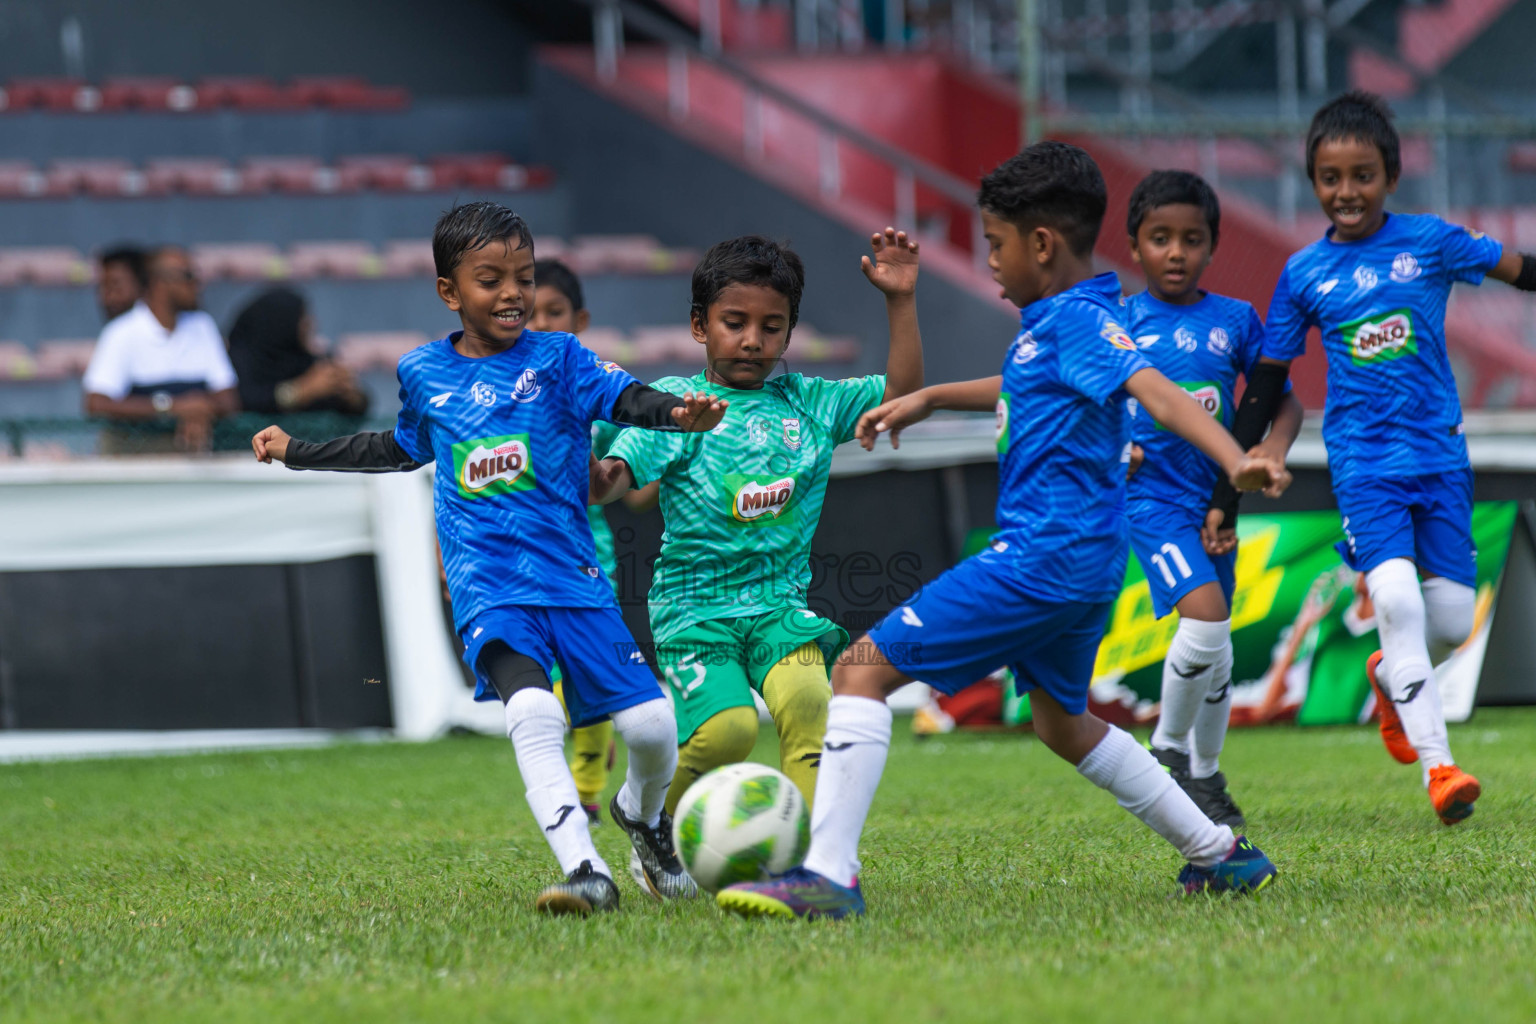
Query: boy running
1037,599
507,415
728,604
1376,285
1202,342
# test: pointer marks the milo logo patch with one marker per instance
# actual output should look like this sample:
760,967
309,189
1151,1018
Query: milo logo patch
493,465
1373,339
1208,394
760,502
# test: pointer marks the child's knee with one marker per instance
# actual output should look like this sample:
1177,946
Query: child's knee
726,737
1396,594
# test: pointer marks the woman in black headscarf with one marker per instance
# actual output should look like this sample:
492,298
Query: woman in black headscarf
269,347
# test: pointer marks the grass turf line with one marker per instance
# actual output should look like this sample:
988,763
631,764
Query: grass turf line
397,882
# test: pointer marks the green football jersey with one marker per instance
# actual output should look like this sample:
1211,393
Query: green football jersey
741,502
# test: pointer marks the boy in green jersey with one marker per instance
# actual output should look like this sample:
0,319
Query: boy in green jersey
728,602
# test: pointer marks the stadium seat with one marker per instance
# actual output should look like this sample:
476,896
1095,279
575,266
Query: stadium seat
150,94
243,93
64,358
52,265
346,92
333,259
108,178
20,180
467,170
385,172
60,95
413,258
376,350
196,176
294,174
631,254
239,261
609,343
666,344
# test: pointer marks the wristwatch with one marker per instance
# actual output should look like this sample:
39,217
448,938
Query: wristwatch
162,401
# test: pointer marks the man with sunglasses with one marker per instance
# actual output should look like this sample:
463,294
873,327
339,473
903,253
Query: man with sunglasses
162,363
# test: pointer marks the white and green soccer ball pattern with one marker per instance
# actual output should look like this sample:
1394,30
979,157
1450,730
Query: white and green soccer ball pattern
741,823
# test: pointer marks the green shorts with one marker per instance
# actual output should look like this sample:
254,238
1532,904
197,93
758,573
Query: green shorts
715,665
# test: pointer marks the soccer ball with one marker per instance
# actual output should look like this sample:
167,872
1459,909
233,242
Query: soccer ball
741,823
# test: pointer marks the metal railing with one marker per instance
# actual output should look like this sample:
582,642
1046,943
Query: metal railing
612,17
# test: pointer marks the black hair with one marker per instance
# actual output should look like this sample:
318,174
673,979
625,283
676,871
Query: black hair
471,226
131,256
554,274
750,259
1356,115
1166,188
1054,184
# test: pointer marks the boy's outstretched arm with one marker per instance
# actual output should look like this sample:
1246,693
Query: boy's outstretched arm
641,405
1171,406
1518,269
368,452
898,413
893,270
607,480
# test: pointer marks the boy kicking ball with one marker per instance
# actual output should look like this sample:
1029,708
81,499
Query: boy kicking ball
507,415
1203,342
1037,599
1376,286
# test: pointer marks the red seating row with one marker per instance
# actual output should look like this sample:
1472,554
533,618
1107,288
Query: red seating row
262,261
381,350
297,175
251,93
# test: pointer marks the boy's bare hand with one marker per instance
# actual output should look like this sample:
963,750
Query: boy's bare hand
604,477
1217,539
1282,479
700,412
893,417
894,267
271,443
1256,473
1132,464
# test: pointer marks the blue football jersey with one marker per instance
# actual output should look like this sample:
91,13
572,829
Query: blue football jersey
1202,348
1061,430
1380,305
511,434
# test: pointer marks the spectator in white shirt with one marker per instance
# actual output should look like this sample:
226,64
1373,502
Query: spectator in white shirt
164,358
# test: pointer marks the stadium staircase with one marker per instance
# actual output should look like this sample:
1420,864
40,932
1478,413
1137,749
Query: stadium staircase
876,137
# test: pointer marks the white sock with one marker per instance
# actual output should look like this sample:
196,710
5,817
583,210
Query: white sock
536,727
1449,608
1192,659
650,735
1212,719
1406,673
1120,765
852,760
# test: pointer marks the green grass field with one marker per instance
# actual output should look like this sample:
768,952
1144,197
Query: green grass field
396,882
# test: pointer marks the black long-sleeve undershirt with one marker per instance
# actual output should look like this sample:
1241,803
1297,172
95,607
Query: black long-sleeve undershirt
639,405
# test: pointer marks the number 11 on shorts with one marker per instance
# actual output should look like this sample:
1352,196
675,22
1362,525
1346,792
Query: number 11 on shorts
1172,551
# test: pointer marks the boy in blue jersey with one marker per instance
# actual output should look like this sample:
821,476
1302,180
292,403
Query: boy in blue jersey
1038,598
1202,342
507,413
1376,286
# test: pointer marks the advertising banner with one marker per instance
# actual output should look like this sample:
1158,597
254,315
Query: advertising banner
1302,627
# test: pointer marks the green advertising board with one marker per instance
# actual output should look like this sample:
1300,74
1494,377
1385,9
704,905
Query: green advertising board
1302,625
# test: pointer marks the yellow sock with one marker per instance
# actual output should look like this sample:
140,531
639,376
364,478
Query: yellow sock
590,744
725,738
796,692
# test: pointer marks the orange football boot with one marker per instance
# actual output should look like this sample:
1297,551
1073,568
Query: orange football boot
1391,725
1453,792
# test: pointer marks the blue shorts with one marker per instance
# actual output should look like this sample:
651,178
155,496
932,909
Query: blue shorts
1166,539
976,618
602,668
1426,519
